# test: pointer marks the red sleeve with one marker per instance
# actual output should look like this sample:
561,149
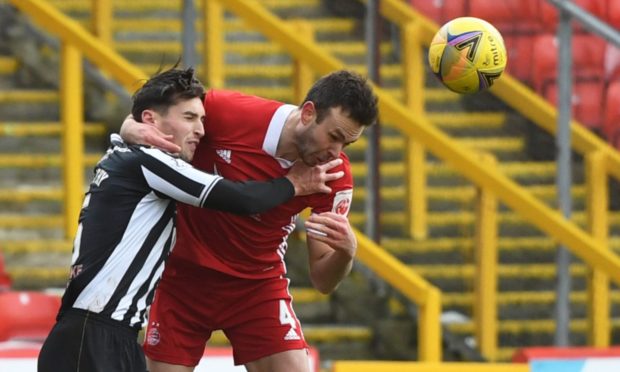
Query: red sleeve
339,200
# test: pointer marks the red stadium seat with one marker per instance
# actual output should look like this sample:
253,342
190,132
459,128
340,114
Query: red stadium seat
519,49
27,315
588,58
613,13
5,279
611,121
508,16
612,62
587,102
548,14
441,11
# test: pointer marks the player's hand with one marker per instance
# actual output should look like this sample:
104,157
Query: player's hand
133,132
334,230
312,180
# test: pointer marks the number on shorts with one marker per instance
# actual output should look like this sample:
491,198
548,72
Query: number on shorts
285,315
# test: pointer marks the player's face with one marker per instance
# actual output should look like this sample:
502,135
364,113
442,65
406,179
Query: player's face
322,142
185,122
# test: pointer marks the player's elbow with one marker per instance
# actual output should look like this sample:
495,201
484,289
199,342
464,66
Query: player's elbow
323,286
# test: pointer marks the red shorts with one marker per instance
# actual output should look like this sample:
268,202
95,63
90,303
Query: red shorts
193,301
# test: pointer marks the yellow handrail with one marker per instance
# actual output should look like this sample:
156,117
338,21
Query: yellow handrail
513,195
72,118
73,33
513,92
76,41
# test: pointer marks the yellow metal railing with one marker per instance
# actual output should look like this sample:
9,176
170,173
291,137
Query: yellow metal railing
419,127
299,36
75,41
515,94
414,123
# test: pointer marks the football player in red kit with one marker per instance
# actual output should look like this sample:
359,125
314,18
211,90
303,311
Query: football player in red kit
229,274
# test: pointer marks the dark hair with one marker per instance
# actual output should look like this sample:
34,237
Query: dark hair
166,89
347,90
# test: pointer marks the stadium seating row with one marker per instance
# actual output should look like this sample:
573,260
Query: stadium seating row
528,28
514,15
24,315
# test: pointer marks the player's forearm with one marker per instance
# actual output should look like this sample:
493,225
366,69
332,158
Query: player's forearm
327,273
249,197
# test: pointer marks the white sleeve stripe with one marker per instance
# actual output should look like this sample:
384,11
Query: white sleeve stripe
177,178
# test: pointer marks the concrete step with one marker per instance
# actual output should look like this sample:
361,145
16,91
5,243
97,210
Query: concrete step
42,160
540,171
462,195
8,65
246,49
275,71
161,5
450,246
466,220
518,298
28,96
518,330
40,129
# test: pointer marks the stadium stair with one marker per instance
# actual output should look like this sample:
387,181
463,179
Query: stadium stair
255,65
147,34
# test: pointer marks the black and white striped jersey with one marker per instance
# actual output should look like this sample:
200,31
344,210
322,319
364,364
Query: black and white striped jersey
127,229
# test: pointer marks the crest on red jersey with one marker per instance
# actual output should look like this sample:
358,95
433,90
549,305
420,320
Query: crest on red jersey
342,202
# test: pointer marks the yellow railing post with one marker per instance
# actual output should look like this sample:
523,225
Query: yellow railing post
72,116
303,76
101,20
485,303
413,73
213,48
414,287
598,225
429,328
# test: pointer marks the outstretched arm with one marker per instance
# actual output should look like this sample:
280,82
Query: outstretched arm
252,197
178,180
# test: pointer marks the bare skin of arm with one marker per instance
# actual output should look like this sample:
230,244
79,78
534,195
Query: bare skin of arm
331,250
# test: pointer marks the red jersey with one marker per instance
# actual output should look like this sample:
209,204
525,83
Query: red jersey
240,142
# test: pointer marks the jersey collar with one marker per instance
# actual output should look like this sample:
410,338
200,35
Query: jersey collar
270,144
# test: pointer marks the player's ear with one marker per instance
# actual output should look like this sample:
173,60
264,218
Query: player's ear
149,116
308,113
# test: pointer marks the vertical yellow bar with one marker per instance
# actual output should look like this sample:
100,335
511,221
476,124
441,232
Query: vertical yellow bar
485,304
413,73
429,328
213,48
303,76
72,115
598,225
102,21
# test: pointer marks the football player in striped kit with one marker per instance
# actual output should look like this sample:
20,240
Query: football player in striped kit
127,227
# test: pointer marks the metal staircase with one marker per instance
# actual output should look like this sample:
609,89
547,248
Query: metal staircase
148,33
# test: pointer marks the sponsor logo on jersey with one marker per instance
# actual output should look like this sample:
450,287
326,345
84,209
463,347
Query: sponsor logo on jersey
291,335
226,155
152,338
342,202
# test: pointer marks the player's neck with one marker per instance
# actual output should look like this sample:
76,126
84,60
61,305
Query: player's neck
287,148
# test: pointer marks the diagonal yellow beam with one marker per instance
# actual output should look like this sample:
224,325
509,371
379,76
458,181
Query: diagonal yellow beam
449,150
72,32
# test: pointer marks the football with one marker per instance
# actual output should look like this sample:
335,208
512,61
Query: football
467,54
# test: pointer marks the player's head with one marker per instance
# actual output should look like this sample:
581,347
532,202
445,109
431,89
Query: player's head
172,100
334,114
